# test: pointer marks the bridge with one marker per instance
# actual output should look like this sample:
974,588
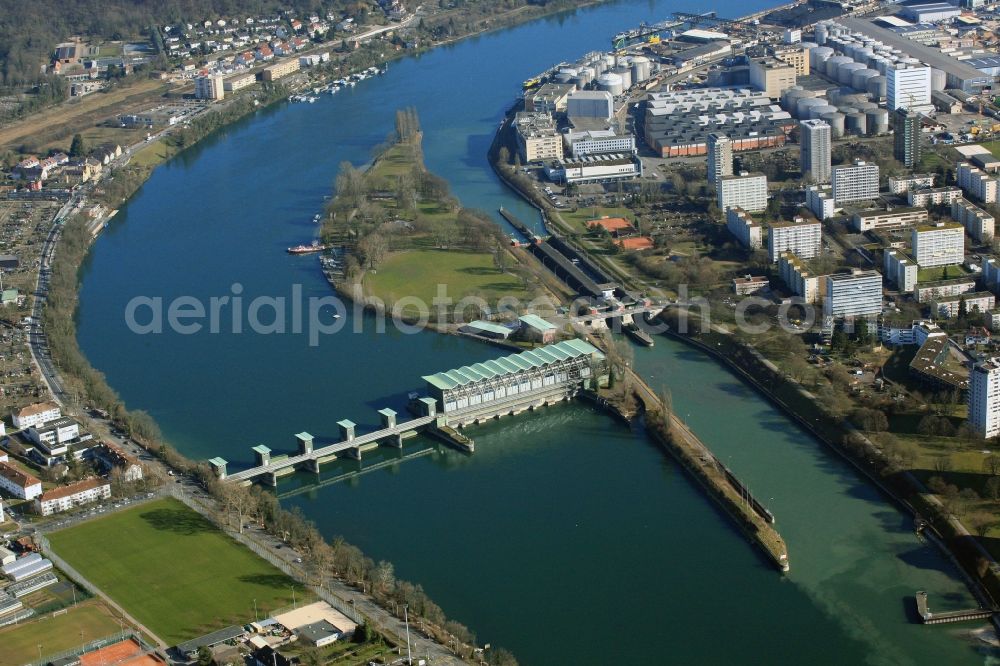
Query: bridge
351,444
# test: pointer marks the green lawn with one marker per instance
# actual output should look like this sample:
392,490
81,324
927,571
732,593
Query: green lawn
173,570
419,272
54,633
941,273
152,154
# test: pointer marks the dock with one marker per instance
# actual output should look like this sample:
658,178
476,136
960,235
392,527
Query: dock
927,617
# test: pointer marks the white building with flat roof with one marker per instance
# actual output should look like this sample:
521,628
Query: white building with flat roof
814,150
800,236
854,294
593,142
977,222
820,201
746,229
855,182
590,104
984,397
938,244
798,278
976,183
909,88
900,269
746,191
720,157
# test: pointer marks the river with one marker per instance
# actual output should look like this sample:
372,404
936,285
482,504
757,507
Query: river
566,537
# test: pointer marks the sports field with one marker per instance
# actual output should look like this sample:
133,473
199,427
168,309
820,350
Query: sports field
21,643
173,570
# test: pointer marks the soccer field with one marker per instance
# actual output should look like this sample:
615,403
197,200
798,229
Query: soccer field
173,570
49,634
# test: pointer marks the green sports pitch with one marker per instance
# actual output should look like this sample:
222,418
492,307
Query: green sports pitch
173,570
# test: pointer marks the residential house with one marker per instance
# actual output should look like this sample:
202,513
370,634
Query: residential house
18,483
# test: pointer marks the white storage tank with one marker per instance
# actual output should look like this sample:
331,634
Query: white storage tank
819,55
819,111
790,99
859,79
802,106
566,75
845,71
609,61
877,88
626,74
611,82
833,64
641,68
835,120
878,121
855,123
821,33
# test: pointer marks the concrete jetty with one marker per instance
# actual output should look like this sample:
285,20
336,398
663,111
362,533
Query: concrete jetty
927,617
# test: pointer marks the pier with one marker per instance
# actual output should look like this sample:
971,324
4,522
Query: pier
927,617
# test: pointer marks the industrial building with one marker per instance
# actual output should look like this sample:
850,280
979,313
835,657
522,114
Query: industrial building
814,154
549,98
746,229
984,397
746,191
553,372
854,294
771,76
537,137
590,104
802,237
930,12
958,74
940,244
794,55
678,123
856,182
595,168
590,142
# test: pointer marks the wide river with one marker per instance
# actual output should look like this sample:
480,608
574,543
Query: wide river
566,537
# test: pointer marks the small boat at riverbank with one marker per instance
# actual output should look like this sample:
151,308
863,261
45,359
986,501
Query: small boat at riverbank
306,249
639,335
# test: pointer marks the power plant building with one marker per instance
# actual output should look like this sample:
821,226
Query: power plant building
546,374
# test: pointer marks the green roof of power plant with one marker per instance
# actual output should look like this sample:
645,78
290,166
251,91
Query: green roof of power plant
514,363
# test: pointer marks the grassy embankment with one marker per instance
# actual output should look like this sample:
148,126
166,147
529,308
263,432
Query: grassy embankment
173,570
408,235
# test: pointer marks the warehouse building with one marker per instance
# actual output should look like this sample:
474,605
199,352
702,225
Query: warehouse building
590,104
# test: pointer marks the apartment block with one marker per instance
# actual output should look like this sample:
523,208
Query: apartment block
854,294
975,301
939,244
814,150
800,236
720,157
976,183
934,196
746,191
855,182
537,137
984,397
925,292
900,269
900,184
798,278
880,218
209,87
820,201
746,230
977,222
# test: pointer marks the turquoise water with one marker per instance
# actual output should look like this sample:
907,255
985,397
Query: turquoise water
566,537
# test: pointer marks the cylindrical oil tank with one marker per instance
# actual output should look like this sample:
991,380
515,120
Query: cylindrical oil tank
876,88
865,107
802,106
818,111
878,121
835,120
808,46
859,79
939,80
597,64
819,55
791,99
910,61
611,82
833,64
855,123
820,33
641,68
566,75
626,74
844,72
609,61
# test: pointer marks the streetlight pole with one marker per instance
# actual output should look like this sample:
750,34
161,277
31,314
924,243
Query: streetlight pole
406,620
256,618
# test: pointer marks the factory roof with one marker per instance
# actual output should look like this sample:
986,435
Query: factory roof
514,363
985,61
929,55
536,322
699,35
